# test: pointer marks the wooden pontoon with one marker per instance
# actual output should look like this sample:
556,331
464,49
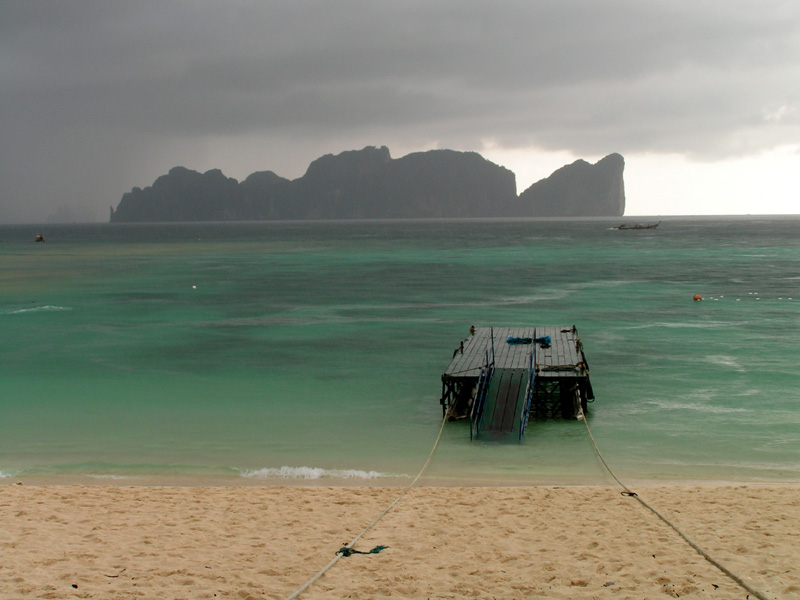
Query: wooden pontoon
502,376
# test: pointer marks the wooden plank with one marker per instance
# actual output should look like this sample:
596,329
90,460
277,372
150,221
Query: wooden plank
561,353
512,404
505,402
499,393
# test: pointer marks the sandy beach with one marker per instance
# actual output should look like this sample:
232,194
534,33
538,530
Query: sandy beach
79,541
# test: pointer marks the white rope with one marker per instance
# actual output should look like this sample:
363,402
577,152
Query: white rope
635,496
322,571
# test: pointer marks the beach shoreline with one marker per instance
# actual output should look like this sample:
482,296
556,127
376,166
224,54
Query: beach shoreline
432,481
265,541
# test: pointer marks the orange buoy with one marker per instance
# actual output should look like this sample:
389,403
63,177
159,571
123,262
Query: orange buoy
697,297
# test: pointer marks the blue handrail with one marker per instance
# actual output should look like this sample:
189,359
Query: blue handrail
475,405
480,396
476,415
526,406
487,381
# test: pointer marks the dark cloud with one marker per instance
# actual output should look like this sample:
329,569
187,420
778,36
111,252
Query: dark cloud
97,97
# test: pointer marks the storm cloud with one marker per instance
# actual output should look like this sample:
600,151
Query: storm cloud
97,97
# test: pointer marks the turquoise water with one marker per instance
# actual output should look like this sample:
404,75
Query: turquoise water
313,351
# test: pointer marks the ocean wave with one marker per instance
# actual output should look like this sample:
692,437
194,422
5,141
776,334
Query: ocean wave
696,406
723,360
681,325
312,473
756,466
748,392
47,308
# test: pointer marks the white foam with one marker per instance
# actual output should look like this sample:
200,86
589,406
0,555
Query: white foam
724,360
311,473
47,308
696,406
680,325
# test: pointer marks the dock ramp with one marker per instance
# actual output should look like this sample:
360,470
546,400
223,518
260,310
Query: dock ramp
504,401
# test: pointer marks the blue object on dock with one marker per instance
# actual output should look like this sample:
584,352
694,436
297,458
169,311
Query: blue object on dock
545,341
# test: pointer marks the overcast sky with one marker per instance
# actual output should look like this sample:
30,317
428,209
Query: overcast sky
702,98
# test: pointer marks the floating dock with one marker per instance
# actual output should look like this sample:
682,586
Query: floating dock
502,376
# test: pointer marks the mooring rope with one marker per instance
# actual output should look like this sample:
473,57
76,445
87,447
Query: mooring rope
631,494
347,549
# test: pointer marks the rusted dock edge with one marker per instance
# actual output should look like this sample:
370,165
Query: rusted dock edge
500,377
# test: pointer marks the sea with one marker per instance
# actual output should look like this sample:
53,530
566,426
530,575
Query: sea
312,352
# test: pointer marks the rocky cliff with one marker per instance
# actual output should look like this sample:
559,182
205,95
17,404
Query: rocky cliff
369,184
579,190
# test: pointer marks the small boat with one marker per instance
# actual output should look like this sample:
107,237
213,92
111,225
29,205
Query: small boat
39,237
625,226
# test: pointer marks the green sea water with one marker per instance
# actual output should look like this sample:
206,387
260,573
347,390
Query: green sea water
297,352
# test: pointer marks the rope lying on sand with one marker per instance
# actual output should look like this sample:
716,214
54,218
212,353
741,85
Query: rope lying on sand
631,494
347,549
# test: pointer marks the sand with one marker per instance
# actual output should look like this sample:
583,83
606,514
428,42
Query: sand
83,541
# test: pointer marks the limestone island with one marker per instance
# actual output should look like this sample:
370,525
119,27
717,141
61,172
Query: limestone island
370,184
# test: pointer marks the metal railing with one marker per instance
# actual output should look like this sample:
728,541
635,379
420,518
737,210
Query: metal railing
526,406
487,370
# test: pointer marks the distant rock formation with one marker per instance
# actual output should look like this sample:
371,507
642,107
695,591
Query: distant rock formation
369,184
182,195
580,190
